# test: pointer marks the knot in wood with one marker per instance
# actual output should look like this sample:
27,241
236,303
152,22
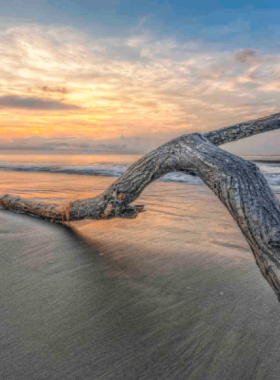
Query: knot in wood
121,196
108,210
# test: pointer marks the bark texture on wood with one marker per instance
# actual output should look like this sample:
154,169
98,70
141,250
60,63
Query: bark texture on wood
243,190
242,130
238,183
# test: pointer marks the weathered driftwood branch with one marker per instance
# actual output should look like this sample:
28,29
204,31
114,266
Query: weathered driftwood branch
165,159
127,188
238,183
242,130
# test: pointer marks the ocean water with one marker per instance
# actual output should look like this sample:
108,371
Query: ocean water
109,166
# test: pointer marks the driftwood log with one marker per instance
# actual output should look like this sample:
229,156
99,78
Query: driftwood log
238,183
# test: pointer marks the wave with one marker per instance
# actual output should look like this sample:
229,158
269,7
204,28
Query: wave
270,171
93,170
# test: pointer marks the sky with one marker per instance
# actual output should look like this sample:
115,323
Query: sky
132,74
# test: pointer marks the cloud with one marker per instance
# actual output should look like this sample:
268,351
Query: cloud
136,85
245,56
11,101
49,89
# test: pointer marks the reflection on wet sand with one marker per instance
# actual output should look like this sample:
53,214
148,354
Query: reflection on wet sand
176,231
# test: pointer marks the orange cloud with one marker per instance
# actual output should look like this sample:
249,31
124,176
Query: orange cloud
57,82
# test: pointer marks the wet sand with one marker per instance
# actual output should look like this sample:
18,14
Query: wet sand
172,294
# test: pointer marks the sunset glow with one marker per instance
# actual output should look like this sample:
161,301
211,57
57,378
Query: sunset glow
59,81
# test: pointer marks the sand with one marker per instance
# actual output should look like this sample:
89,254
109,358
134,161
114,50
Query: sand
173,294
